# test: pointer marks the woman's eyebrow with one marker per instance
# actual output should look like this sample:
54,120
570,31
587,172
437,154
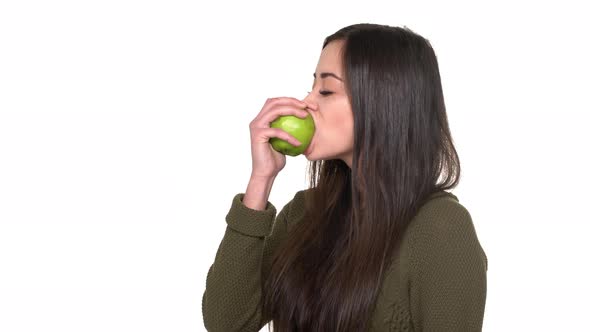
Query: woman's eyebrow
324,75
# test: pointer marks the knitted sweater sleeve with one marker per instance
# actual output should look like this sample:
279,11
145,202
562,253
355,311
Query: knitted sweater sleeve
233,291
448,270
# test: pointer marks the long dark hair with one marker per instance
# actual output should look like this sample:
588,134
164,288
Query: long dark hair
327,273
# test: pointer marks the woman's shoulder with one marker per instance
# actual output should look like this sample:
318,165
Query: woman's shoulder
441,209
443,230
298,201
296,205
440,221
442,194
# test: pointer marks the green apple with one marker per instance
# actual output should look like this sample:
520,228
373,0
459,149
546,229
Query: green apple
301,129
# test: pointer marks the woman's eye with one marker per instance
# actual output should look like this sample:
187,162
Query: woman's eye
323,93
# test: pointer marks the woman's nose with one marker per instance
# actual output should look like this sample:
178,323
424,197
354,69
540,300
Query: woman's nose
310,103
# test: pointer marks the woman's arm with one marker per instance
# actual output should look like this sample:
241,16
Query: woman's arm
233,293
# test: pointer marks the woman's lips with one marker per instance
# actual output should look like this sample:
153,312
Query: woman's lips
308,150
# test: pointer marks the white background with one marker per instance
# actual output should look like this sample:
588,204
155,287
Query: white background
124,136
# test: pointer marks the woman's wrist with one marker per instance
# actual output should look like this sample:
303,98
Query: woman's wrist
257,192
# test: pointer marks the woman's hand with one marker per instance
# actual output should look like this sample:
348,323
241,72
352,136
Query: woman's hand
266,162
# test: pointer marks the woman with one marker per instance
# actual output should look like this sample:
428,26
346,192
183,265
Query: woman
376,243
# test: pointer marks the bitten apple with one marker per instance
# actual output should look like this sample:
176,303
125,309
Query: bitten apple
302,129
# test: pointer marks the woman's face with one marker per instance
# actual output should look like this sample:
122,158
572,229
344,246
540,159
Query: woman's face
331,111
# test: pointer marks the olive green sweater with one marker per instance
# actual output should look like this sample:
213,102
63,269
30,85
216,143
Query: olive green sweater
437,282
